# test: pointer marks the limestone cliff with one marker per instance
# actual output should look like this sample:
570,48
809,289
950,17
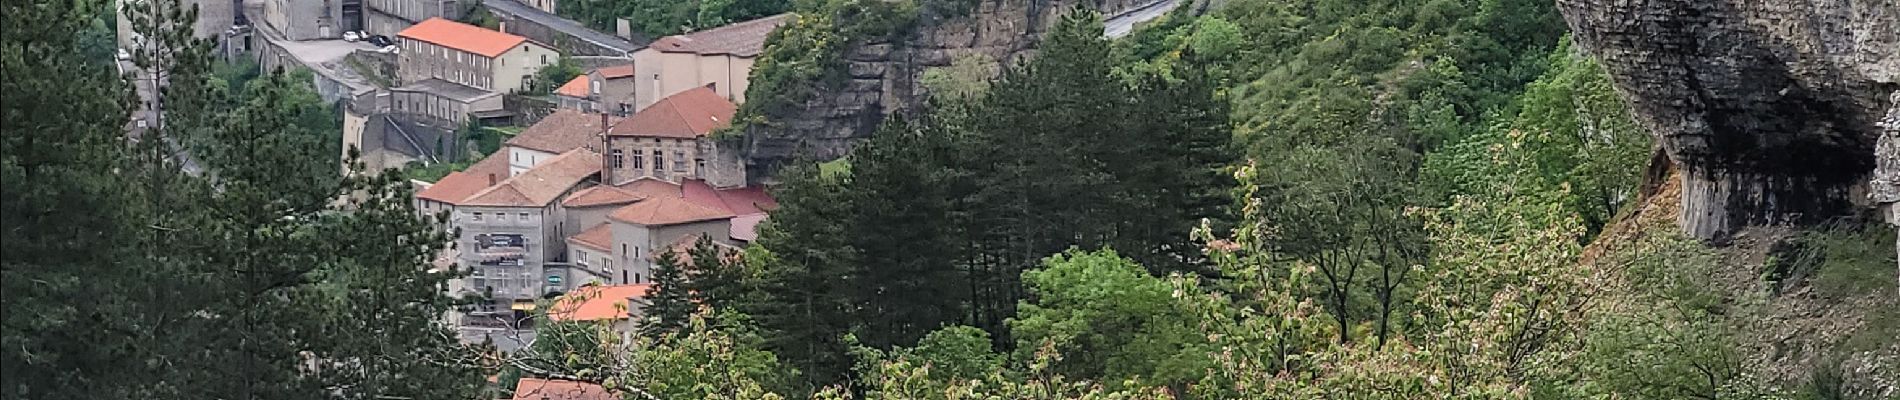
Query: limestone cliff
885,75
1771,108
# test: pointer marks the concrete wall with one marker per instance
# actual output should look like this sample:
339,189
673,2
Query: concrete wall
305,19
659,74
614,95
386,17
446,111
515,68
632,243
522,159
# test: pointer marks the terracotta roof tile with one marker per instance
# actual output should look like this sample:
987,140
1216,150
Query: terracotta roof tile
744,39
600,237
685,115
601,196
561,131
458,186
576,87
464,37
558,389
746,227
542,184
615,72
683,248
595,302
667,210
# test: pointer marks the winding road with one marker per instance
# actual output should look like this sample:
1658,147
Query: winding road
1122,24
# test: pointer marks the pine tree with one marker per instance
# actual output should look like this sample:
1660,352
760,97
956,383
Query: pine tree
669,303
805,277
910,281
712,276
1178,178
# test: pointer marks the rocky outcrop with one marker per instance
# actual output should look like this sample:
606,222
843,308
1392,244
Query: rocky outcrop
885,76
1769,107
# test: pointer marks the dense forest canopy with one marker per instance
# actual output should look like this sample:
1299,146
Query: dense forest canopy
1279,199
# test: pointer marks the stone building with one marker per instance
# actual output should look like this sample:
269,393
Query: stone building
313,19
720,59
386,17
671,141
469,55
444,101
606,89
510,230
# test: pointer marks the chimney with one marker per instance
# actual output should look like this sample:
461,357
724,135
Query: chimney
606,160
491,179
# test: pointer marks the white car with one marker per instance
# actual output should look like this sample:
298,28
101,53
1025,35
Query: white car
390,49
124,55
351,36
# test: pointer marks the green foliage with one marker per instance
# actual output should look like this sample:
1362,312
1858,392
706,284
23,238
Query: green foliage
1848,259
805,57
967,77
656,18
259,279
1666,336
552,76
703,362
1112,320
432,172
670,302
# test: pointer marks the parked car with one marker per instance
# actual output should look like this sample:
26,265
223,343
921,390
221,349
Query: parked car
389,50
124,55
381,41
351,36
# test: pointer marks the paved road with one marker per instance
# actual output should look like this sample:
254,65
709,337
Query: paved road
1122,24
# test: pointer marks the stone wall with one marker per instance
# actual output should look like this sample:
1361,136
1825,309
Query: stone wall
885,77
1769,107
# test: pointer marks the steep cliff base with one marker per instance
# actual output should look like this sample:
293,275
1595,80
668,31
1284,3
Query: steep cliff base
1817,307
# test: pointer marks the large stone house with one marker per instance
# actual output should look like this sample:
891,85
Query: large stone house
510,230
671,141
720,59
602,90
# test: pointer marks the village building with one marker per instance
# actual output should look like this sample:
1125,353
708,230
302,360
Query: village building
602,90
470,55
719,58
560,389
672,141
386,17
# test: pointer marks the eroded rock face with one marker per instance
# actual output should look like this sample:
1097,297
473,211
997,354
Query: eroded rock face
886,77
1770,107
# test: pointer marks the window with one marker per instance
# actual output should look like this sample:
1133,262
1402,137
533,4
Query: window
544,57
638,160
658,160
639,279
596,86
523,216
475,217
679,161
699,166
623,248
618,159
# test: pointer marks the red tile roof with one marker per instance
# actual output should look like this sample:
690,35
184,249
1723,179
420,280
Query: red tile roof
668,210
459,185
561,131
746,227
684,115
744,39
576,87
615,72
601,196
683,248
542,184
464,37
600,237
558,389
595,302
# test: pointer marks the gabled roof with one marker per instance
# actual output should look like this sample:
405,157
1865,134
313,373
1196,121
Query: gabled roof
601,196
560,131
464,37
542,184
576,87
600,237
457,186
595,302
559,389
615,72
744,39
667,210
684,115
